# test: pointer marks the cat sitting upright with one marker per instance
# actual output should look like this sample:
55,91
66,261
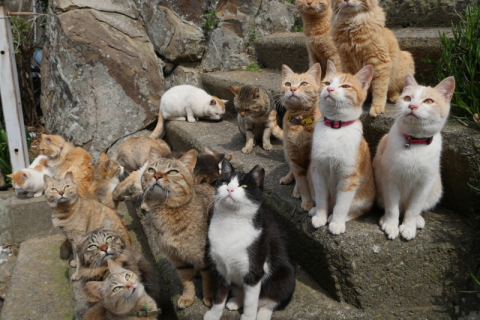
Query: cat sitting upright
407,163
186,102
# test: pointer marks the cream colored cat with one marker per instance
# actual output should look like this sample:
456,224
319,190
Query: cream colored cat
407,163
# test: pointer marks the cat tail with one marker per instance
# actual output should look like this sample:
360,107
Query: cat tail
272,123
65,250
158,131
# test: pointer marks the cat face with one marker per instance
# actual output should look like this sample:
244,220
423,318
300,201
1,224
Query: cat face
51,145
249,102
312,6
20,179
299,89
238,189
107,169
216,108
426,107
99,246
353,6
60,191
343,94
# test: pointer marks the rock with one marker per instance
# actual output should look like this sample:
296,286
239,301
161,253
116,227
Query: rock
275,16
190,10
101,79
184,75
173,38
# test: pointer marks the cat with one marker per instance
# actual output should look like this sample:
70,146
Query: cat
247,249
341,165
316,17
98,247
253,104
122,296
106,176
73,214
179,212
300,96
186,102
63,157
133,152
407,162
30,180
359,33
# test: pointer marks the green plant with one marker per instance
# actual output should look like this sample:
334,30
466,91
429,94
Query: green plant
211,20
5,164
460,58
252,67
297,28
290,1
253,36
472,275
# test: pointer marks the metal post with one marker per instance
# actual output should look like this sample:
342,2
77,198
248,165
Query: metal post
10,93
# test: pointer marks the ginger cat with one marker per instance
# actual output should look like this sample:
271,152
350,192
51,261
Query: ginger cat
359,33
341,166
30,180
300,96
63,157
316,16
75,215
407,163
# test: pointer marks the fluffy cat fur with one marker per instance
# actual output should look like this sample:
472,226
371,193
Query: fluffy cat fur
120,294
247,249
30,180
63,157
186,102
300,96
316,16
179,212
408,178
341,166
73,214
134,152
253,104
359,33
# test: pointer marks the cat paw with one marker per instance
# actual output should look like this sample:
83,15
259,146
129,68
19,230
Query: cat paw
208,301
247,150
211,315
408,232
376,110
307,205
191,119
296,194
319,221
267,146
312,212
288,179
38,194
390,231
337,228
75,276
393,98
244,317
234,304
184,302
420,222
73,264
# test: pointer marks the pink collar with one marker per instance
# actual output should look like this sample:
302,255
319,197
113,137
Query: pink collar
337,124
413,140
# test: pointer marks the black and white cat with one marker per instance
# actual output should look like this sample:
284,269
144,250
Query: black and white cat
247,249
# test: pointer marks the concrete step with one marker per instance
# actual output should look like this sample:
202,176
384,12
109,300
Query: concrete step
39,287
289,48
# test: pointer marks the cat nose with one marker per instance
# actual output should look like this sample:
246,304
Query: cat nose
412,107
61,192
157,176
309,3
242,114
330,89
346,1
230,190
104,247
293,89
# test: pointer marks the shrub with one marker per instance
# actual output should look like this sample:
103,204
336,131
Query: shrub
211,20
252,67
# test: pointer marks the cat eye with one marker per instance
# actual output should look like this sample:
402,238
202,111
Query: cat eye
116,289
127,277
54,189
224,183
67,186
304,83
92,247
407,99
428,101
109,239
326,83
151,170
243,186
345,86
288,84
172,172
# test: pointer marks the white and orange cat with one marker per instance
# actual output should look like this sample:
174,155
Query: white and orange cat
407,163
341,165
359,33
30,180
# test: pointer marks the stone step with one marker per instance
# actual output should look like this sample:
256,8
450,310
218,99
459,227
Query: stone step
289,48
39,288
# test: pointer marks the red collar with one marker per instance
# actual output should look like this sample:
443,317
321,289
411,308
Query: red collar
413,140
337,124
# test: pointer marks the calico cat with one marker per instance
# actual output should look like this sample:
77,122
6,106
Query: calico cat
341,166
316,16
407,163
122,296
300,96
186,102
180,211
133,152
63,157
73,214
247,249
30,180
359,33
253,104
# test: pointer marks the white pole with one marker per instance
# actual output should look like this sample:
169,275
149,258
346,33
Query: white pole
9,90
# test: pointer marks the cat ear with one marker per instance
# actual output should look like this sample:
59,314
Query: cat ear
10,175
213,102
227,168
24,175
446,88
316,72
229,157
107,164
114,267
46,138
365,76
409,81
330,68
258,174
234,89
69,176
286,71
208,151
95,288
47,179
78,238
103,157
224,101
189,159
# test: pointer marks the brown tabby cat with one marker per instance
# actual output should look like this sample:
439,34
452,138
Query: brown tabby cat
253,104
180,211
359,33
316,16
63,157
122,297
301,99
73,214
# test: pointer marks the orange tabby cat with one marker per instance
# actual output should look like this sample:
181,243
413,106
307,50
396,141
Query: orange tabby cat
301,99
316,16
359,33
63,157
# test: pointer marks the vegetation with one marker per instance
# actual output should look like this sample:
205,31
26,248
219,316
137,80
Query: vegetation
5,164
290,1
211,20
297,28
472,275
252,67
253,36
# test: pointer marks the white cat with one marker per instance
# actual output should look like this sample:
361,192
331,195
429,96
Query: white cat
407,163
30,180
186,102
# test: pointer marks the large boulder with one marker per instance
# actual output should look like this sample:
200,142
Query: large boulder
184,75
101,79
275,16
189,10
